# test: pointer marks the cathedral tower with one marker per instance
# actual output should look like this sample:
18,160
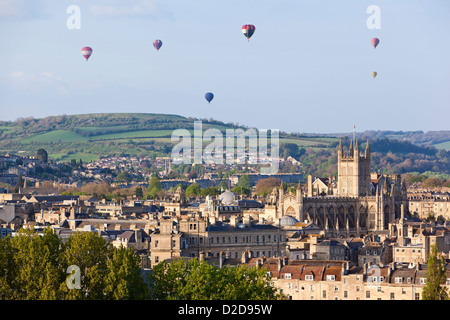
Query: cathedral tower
353,171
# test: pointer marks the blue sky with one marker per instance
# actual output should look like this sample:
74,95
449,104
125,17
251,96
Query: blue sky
306,68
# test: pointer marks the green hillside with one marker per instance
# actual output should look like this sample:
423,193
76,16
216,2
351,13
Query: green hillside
92,136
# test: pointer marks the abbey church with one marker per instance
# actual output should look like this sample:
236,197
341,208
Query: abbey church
358,202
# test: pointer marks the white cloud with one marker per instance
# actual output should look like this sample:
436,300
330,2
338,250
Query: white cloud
139,8
38,81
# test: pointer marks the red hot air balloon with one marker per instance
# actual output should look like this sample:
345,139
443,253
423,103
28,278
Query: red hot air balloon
248,30
375,42
86,52
157,44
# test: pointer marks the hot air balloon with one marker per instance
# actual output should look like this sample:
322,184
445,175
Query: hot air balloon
248,30
374,74
86,52
209,96
157,44
375,42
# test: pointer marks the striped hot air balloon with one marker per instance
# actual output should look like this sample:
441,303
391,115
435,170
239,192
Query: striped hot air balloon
248,30
374,74
375,42
86,52
157,44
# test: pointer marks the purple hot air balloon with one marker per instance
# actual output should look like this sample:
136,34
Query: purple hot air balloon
375,42
157,44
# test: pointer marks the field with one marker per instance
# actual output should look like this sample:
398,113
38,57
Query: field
444,145
54,136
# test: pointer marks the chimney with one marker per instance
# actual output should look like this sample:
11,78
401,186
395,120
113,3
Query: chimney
244,258
221,259
138,236
233,221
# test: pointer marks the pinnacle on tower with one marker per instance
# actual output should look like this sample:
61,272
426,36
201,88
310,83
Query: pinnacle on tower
367,149
350,149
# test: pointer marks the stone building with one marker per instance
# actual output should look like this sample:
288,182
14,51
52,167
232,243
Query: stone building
232,239
334,280
362,205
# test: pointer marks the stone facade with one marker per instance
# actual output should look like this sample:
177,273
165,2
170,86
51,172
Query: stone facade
361,205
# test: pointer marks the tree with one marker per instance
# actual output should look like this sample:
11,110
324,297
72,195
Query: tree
19,184
89,252
123,280
123,177
192,279
154,186
244,181
34,266
154,183
139,193
289,149
434,288
36,262
42,155
241,190
265,186
193,190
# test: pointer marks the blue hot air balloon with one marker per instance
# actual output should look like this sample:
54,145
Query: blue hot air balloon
209,96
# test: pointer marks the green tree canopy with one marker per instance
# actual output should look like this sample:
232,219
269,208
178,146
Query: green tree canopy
191,279
34,266
154,183
193,190
434,288
42,155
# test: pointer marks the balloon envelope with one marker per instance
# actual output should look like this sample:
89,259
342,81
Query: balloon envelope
209,96
248,30
375,42
374,74
157,44
86,52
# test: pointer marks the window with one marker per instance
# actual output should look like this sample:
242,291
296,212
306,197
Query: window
336,288
331,277
309,277
324,294
288,276
417,296
398,280
368,294
392,296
